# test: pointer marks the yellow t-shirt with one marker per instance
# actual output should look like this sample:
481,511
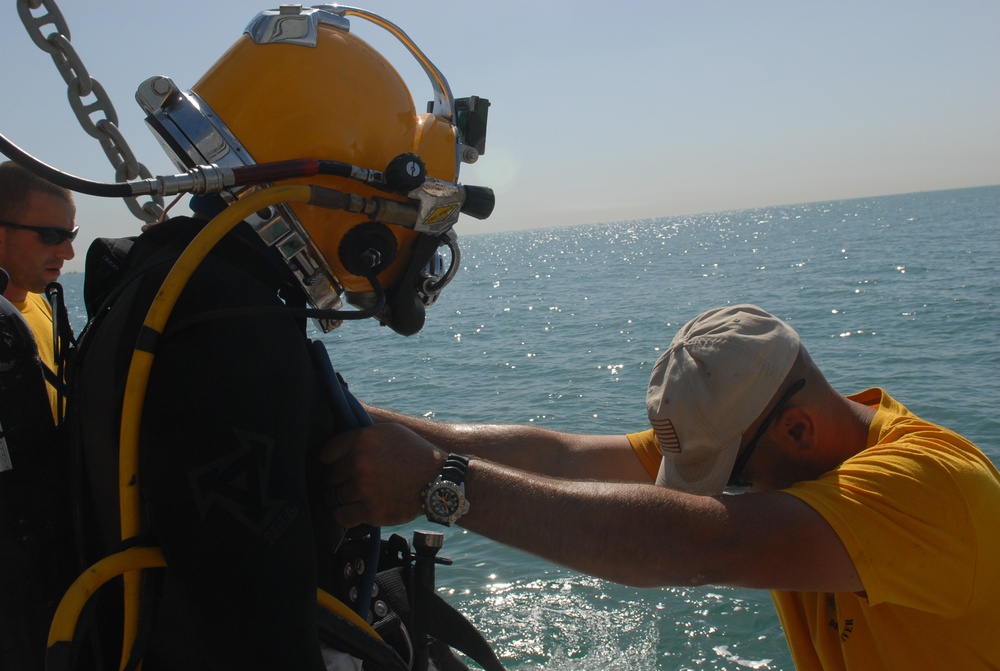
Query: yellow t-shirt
38,314
647,449
918,512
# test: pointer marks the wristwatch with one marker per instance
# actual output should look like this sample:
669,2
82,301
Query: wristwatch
444,499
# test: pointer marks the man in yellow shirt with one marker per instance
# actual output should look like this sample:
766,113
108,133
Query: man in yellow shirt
874,530
37,229
37,557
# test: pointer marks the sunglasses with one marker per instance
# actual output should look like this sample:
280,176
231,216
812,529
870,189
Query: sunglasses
48,234
735,480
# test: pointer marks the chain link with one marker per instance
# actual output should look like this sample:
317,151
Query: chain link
88,99
72,69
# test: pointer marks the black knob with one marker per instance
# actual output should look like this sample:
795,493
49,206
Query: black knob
405,173
479,201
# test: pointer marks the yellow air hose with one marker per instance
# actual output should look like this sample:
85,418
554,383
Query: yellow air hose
135,559
87,584
129,563
142,362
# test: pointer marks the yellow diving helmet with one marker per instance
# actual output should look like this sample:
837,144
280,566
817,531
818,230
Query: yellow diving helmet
299,85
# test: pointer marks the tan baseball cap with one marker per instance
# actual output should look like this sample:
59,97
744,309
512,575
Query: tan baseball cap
721,370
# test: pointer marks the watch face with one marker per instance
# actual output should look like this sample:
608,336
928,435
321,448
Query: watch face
443,502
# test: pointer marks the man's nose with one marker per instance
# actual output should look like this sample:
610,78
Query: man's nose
65,251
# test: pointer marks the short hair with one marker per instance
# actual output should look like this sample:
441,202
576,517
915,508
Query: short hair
17,184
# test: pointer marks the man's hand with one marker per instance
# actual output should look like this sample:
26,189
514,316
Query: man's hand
375,475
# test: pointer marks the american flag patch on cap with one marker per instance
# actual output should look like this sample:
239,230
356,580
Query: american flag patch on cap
666,435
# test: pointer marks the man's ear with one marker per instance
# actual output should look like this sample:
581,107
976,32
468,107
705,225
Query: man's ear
796,429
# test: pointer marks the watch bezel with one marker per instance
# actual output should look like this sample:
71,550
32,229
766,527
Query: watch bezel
458,489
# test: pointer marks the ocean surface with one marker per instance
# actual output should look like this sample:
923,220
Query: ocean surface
560,328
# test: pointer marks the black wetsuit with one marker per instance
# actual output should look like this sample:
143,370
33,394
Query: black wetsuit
234,416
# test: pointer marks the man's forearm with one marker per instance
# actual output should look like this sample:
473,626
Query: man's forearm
525,447
530,448
633,534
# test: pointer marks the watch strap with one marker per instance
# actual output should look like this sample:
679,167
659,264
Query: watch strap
455,469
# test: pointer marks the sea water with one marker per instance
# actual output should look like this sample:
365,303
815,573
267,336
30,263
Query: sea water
560,328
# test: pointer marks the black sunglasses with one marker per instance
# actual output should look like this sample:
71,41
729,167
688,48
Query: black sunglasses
49,234
741,463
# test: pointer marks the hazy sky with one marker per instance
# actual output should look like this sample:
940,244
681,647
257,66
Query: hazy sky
599,112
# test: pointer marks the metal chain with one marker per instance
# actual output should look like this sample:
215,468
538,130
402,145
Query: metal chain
97,117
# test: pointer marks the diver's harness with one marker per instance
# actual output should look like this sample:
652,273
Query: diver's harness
432,208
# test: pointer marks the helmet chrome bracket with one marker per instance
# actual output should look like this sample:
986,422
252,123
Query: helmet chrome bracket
440,205
292,24
280,229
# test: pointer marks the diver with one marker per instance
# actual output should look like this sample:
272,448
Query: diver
238,404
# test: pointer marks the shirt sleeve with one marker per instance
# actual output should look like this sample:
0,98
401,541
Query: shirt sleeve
647,448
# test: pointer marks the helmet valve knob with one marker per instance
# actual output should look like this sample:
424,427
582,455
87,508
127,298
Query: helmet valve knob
405,173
